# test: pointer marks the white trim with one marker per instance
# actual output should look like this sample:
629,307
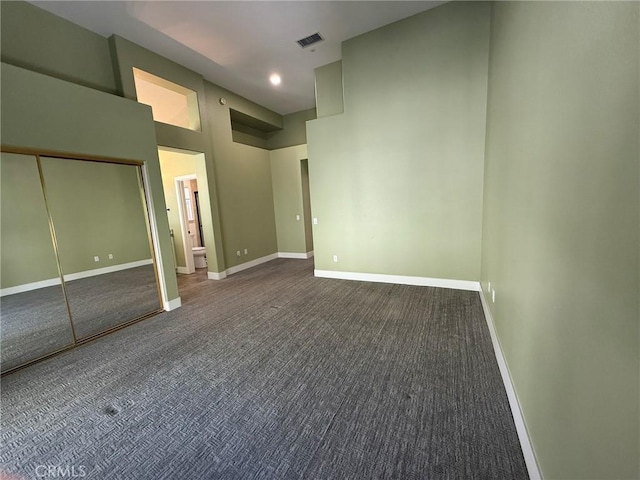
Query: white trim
27,287
252,263
295,255
172,304
154,232
190,176
521,426
184,229
401,279
216,275
101,271
292,255
256,262
184,270
72,276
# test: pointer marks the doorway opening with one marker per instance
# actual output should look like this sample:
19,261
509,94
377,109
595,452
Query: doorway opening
186,188
306,206
187,196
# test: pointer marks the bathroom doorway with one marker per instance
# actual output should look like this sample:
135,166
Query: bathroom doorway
186,191
188,186
188,209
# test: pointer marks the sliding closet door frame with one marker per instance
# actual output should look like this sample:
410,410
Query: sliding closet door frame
54,239
145,198
54,244
150,225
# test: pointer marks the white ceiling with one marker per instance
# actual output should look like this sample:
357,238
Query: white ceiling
238,44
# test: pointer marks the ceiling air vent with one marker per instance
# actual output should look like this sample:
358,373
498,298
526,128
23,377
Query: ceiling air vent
310,40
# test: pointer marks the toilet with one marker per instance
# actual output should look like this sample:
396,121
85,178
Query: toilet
199,258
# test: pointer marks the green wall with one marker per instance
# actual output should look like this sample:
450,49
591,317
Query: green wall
288,198
560,241
37,40
396,181
24,215
96,210
329,90
128,55
243,181
44,113
239,176
77,55
249,136
294,130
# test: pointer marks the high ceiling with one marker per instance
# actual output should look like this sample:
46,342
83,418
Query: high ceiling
239,44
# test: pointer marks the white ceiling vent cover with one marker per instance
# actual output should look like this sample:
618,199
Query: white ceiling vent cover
310,40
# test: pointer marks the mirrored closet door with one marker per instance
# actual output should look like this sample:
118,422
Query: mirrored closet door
77,257
33,312
103,242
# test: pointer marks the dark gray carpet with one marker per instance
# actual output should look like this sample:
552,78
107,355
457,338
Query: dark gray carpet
33,324
273,373
106,301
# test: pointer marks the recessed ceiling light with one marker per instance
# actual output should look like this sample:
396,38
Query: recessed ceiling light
275,79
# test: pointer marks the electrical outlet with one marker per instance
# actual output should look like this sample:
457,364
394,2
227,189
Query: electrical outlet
111,256
493,296
335,258
96,258
246,251
238,253
298,217
315,220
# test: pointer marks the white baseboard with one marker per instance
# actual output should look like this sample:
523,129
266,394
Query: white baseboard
252,263
73,276
173,304
401,279
30,286
521,426
110,269
216,275
183,270
256,262
295,255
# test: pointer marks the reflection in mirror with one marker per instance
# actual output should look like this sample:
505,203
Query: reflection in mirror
34,318
103,242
